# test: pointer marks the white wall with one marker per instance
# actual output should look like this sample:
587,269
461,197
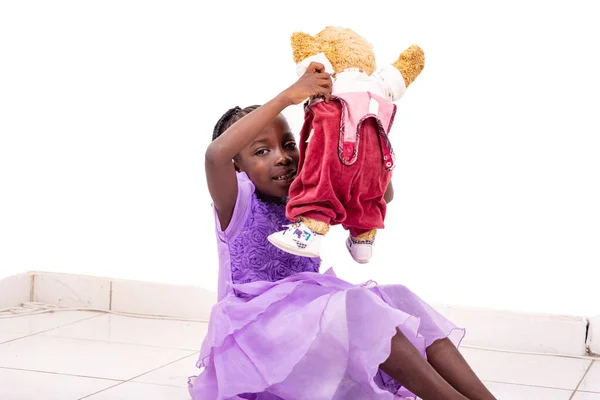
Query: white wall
106,109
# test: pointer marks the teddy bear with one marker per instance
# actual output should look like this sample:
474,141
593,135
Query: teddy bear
346,158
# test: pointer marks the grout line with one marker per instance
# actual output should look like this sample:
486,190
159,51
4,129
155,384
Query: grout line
110,296
46,308
117,342
135,377
163,366
32,288
103,390
61,373
573,395
530,353
26,335
139,383
582,379
157,384
526,385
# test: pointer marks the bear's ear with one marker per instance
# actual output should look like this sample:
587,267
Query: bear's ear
304,46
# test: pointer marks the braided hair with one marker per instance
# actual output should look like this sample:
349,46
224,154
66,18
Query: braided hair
229,118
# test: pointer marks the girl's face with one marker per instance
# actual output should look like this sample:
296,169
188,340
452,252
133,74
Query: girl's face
271,160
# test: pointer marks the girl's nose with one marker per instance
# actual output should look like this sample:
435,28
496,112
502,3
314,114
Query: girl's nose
283,158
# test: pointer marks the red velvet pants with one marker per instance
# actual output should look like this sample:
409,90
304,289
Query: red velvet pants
330,191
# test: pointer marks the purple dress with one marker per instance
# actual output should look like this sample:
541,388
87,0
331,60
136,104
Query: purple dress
281,330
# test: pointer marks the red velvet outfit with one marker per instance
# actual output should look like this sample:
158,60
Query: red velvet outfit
345,162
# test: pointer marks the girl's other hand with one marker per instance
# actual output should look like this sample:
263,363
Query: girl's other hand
314,82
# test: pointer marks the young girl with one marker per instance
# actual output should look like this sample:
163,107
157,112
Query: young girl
282,330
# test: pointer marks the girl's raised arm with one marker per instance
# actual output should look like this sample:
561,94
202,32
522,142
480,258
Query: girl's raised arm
220,171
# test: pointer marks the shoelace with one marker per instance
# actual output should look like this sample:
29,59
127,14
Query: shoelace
289,227
371,242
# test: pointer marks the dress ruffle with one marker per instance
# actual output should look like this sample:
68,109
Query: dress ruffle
312,336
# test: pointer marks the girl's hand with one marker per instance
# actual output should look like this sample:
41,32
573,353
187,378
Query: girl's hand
314,82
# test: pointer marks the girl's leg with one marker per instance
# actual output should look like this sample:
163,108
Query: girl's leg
450,364
408,367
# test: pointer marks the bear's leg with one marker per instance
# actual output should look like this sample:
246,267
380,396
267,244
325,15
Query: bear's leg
360,244
367,236
302,238
319,227
323,185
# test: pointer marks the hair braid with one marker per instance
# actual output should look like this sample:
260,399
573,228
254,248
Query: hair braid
229,118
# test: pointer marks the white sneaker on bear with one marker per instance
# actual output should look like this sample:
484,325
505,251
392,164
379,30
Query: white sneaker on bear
361,251
297,239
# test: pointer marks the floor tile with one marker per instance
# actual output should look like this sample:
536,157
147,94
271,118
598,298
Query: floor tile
41,322
134,390
586,396
28,385
6,336
525,369
507,391
141,331
85,357
175,374
591,382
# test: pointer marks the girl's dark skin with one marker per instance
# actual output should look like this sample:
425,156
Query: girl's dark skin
261,145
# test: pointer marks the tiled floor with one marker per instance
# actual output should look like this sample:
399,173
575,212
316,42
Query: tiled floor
85,355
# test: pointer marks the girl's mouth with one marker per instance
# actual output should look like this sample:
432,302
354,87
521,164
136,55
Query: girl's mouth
285,177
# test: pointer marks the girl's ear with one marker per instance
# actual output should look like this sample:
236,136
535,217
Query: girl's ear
235,165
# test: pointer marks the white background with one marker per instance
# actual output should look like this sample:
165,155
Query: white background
106,108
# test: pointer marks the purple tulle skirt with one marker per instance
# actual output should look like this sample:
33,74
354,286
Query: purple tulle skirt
312,336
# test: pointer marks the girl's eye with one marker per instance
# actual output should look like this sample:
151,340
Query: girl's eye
290,145
260,152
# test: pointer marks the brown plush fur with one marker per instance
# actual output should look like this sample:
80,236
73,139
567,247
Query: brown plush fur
367,236
318,227
345,48
304,46
410,64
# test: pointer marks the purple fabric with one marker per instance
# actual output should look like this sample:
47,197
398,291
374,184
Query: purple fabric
245,254
281,330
